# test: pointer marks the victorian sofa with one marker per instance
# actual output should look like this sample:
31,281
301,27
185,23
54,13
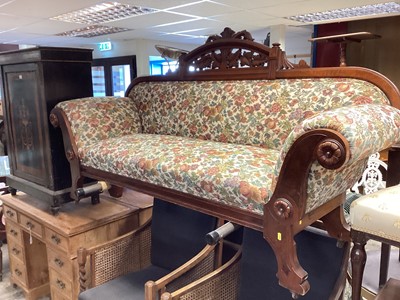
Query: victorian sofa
240,133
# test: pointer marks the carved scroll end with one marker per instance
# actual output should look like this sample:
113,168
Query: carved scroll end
70,154
54,120
331,154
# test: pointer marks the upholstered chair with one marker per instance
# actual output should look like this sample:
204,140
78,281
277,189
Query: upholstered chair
374,216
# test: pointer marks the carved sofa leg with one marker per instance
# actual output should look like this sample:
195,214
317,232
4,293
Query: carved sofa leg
336,226
279,233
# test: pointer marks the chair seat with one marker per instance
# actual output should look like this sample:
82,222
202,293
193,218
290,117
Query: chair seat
378,213
127,287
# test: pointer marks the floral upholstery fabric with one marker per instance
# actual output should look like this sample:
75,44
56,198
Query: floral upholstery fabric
251,112
98,118
381,121
226,140
378,213
235,175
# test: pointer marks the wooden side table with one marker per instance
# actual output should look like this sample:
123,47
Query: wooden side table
43,247
343,39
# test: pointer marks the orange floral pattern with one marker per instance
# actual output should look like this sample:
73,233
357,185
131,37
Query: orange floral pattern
226,140
93,119
251,112
232,174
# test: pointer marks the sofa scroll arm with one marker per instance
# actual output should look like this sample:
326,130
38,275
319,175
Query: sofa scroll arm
284,214
59,119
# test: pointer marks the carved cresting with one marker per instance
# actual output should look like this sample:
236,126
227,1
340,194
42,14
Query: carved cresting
226,57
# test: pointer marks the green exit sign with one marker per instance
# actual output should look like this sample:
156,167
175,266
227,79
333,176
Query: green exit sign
106,46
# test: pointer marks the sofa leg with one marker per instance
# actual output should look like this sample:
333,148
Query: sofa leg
290,273
336,226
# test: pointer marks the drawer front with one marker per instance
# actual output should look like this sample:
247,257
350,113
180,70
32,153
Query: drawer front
59,262
18,271
13,232
55,295
16,251
31,225
55,239
10,213
60,283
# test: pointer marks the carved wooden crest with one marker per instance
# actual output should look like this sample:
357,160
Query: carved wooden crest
231,50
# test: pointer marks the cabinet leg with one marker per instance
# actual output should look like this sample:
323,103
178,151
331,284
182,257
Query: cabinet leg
55,210
12,191
95,198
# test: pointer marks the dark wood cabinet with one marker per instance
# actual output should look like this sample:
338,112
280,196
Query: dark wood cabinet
34,80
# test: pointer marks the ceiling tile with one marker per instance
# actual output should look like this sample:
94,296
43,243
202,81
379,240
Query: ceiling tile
206,9
149,20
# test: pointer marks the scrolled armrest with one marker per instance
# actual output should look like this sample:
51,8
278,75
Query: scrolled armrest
368,128
97,118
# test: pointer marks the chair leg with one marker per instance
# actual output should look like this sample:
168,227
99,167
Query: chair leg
358,259
384,264
1,260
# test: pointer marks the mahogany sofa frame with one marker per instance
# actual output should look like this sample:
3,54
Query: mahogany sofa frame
285,213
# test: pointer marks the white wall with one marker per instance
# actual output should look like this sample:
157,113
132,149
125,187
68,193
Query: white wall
142,49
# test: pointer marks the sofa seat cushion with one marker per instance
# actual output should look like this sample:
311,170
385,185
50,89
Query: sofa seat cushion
127,287
234,175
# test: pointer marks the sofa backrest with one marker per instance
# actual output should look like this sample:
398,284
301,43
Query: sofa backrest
252,112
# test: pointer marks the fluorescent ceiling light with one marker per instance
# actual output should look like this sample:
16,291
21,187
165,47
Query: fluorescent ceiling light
92,31
349,13
103,13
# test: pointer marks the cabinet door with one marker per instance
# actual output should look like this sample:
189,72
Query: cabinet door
26,129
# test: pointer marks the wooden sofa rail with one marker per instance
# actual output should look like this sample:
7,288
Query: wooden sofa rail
247,136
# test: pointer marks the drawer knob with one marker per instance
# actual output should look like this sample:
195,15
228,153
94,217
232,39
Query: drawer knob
13,232
10,213
29,225
17,272
58,262
60,284
15,251
55,239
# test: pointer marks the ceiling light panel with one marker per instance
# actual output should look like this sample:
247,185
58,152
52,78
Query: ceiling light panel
103,13
349,13
92,31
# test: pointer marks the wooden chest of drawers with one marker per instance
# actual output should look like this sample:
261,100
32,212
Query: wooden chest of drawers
43,247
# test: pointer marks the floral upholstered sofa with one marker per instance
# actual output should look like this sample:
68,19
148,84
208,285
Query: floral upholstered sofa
246,136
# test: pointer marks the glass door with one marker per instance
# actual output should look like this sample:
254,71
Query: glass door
112,76
99,81
121,78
